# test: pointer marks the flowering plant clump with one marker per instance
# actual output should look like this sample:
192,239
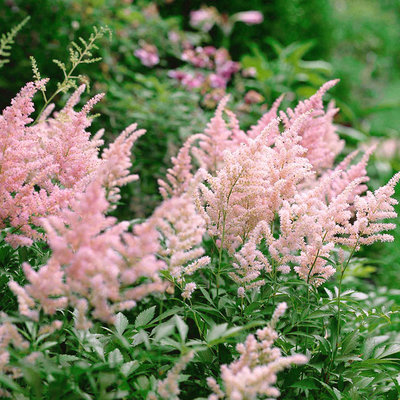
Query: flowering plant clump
174,306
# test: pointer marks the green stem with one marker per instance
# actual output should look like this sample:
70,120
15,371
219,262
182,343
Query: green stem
67,77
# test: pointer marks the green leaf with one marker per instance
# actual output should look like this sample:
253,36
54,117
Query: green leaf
182,327
121,323
145,317
350,342
216,332
115,358
392,349
307,383
128,367
163,330
371,343
10,383
141,337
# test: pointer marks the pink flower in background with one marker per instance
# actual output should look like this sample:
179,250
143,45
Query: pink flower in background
173,36
204,19
148,55
217,81
249,17
253,97
249,72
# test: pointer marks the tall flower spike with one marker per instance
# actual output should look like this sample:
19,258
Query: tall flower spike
215,141
250,262
266,119
319,136
254,374
168,389
349,173
369,211
117,161
179,177
252,184
42,166
181,229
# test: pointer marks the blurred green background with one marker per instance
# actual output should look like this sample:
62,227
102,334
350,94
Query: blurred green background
299,45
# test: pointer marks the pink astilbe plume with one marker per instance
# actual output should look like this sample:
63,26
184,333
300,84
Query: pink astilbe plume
9,338
116,162
265,120
65,138
254,374
370,210
215,141
181,229
45,165
168,388
253,183
318,136
95,264
180,176
349,173
250,262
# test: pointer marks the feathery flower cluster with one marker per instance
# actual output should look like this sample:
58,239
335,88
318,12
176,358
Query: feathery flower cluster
179,177
181,230
318,136
282,189
168,388
9,335
95,263
116,162
255,372
45,165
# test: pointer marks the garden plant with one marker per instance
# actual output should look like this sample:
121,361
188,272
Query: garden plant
247,276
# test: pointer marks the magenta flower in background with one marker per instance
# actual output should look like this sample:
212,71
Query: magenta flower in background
249,17
148,55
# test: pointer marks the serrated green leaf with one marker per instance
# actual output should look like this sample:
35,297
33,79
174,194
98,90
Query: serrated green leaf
145,317
115,358
128,367
121,323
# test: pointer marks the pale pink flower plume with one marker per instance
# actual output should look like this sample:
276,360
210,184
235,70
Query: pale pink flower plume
168,388
181,229
116,163
254,374
9,335
215,140
95,264
319,136
204,18
45,165
253,183
179,178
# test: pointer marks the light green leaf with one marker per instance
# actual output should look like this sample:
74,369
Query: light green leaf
121,323
128,367
145,317
182,327
115,358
